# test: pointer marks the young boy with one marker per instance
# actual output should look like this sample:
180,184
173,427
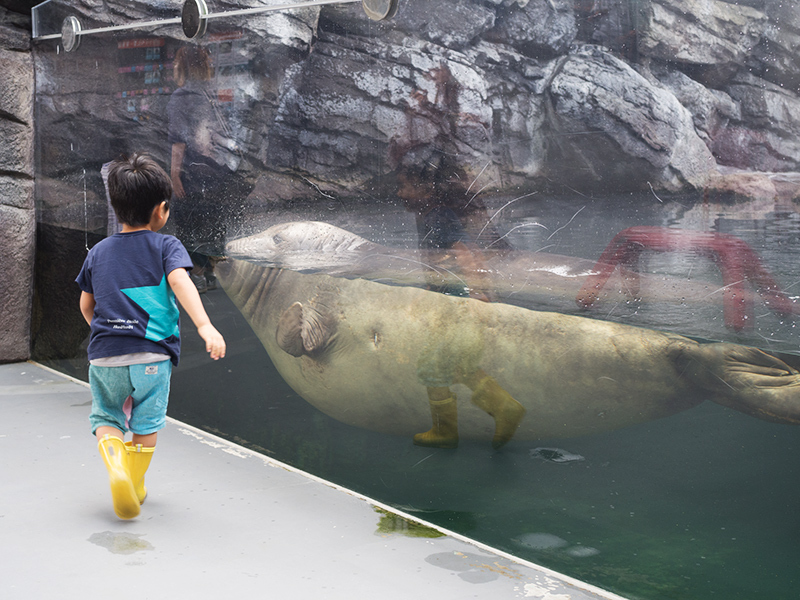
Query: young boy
129,283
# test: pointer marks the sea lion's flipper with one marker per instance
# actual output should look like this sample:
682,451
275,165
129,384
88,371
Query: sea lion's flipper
303,330
746,379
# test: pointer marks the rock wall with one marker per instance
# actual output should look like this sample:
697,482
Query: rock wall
598,96
17,214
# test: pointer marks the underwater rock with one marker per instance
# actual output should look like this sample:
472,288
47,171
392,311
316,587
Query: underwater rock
556,455
549,542
541,541
582,551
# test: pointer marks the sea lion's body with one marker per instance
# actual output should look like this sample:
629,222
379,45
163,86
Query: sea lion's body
361,351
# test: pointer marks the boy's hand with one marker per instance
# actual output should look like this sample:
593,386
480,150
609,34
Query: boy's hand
187,295
215,343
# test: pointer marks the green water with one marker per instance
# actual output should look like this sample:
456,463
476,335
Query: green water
702,504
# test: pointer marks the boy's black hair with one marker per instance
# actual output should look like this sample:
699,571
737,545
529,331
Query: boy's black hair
136,185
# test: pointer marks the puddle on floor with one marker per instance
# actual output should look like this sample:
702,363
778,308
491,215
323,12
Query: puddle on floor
121,542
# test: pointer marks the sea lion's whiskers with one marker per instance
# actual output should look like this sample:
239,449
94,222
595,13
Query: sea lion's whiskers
476,179
722,289
522,287
791,285
514,228
499,210
476,194
430,266
421,461
568,222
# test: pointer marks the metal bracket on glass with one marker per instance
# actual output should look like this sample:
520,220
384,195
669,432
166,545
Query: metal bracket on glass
71,33
195,12
194,18
380,10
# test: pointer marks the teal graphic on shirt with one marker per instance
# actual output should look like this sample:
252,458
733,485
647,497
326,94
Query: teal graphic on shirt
158,301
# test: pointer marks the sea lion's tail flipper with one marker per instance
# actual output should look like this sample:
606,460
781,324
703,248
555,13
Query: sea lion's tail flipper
303,330
746,379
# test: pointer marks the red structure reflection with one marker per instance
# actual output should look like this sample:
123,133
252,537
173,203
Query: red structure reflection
739,264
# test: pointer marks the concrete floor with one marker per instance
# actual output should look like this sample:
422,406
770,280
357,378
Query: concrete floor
220,521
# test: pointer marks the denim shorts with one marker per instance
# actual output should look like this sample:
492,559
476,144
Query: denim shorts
132,398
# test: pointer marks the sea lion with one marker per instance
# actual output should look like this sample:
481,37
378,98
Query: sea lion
355,349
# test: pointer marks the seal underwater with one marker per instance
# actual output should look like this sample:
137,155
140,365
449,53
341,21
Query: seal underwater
363,353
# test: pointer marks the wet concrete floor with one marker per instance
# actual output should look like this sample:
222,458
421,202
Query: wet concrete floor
220,521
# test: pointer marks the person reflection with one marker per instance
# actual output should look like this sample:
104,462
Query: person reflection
207,192
449,225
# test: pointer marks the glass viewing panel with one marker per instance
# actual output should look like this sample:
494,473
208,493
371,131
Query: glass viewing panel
526,270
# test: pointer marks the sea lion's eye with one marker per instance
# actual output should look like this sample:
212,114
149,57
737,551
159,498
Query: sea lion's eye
277,239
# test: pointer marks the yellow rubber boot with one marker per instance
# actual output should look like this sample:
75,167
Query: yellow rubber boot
507,412
138,462
112,449
444,433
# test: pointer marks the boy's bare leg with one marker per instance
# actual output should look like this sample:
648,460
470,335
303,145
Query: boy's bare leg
104,430
147,441
140,452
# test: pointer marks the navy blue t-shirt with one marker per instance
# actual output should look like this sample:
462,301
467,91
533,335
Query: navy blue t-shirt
135,309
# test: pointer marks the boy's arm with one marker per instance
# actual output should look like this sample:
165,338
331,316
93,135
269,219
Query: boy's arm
187,295
87,306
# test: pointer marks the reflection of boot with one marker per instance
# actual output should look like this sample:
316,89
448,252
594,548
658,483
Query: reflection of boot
507,412
444,433
138,461
199,282
112,449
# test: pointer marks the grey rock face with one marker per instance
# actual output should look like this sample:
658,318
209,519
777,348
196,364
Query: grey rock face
712,110
17,229
342,107
699,32
536,27
626,121
449,23
17,215
668,89
768,136
777,57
